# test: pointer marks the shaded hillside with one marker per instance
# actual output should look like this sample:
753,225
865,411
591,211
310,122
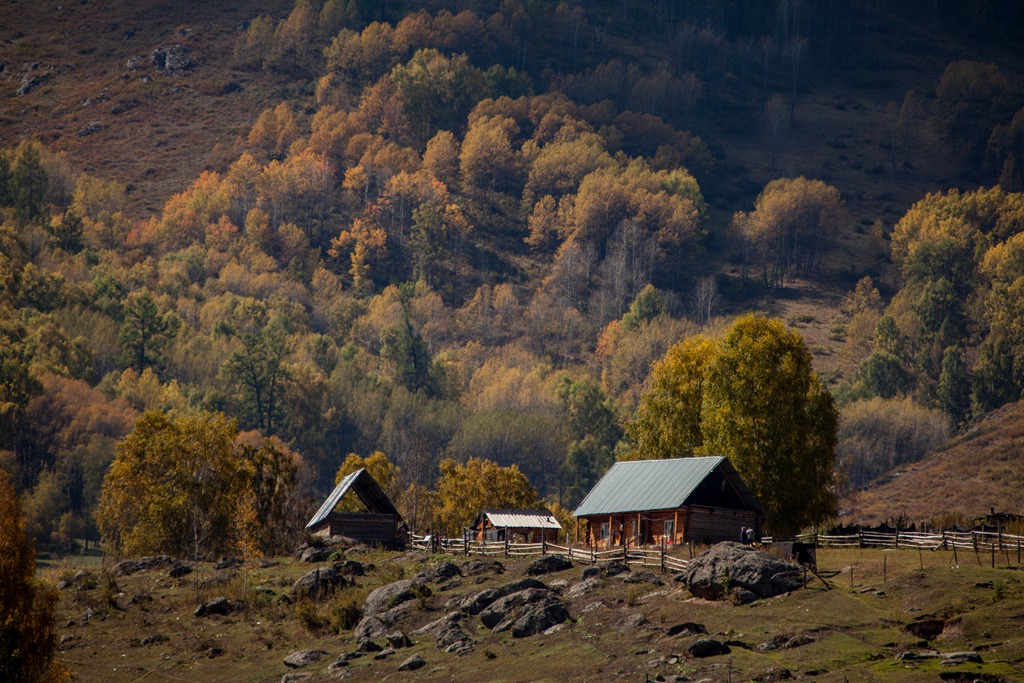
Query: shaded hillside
981,470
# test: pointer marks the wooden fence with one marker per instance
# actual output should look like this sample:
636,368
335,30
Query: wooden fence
978,542
982,541
657,557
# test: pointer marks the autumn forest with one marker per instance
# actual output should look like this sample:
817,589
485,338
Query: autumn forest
449,238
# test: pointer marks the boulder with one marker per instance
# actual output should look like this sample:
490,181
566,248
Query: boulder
735,566
500,610
477,567
687,628
301,658
172,59
474,603
643,576
393,594
318,583
539,618
413,663
398,640
179,570
227,563
708,647
548,564
633,622
142,564
316,554
350,568
439,573
221,606
582,588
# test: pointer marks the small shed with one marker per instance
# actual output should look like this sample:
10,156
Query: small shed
650,502
525,526
381,524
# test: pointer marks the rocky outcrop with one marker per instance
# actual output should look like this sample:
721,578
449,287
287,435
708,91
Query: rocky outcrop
474,603
385,605
548,565
221,606
708,647
502,609
750,572
143,564
301,658
172,59
318,583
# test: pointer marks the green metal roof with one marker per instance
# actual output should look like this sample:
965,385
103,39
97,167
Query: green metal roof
639,485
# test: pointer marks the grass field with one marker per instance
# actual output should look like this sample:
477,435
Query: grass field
856,629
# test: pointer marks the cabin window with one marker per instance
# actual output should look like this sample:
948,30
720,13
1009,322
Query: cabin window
606,530
491,534
670,530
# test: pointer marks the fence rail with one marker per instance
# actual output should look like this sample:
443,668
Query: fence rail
659,557
984,541
655,556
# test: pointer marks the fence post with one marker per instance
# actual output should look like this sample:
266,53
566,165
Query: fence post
625,553
506,543
593,554
465,546
662,554
860,538
543,547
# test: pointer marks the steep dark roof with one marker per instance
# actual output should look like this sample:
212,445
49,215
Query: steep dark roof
365,487
638,485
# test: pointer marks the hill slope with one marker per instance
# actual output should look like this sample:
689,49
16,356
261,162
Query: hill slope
981,470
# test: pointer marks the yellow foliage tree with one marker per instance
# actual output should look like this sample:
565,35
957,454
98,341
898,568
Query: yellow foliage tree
383,471
465,489
28,634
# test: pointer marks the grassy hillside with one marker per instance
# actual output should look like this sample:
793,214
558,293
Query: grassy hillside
978,471
142,626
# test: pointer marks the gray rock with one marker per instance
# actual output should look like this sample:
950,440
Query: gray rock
384,654
643,576
379,625
741,567
539,618
368,646
548,564
142,564
582,588
301,658
318,583
292,677
708,647
179,570
172,59
413,663
499,610
350,568
687,628
316,554
475,603
398,640
440,572
388,596
476,567
228,563
957,658
633,622
220,605
799,641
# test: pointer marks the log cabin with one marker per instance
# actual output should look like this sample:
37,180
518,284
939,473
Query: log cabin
380,525
519,526
654,502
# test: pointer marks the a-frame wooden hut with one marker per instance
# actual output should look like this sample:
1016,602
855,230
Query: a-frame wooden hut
381,524
648,502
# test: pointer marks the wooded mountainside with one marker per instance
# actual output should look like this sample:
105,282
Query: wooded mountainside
468,229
